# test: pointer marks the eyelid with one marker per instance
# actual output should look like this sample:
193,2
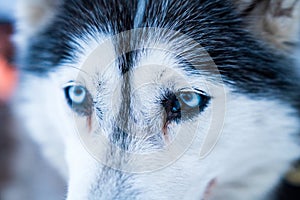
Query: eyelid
72,83
68,84
195,90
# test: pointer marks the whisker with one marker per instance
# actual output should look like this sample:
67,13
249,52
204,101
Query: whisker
79,69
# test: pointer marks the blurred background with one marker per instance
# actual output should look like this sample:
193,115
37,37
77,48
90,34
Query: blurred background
23,173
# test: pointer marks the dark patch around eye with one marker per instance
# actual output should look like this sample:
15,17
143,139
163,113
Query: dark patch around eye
172,107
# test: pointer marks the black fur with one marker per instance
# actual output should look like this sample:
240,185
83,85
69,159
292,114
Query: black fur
251,65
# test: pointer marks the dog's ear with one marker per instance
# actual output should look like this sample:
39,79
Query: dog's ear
32,15
276,21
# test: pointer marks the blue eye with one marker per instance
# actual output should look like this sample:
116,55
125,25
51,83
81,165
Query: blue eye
79,99
77,94
191,99
184,105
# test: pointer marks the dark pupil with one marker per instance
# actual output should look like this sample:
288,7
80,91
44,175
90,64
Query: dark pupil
78,91
187,97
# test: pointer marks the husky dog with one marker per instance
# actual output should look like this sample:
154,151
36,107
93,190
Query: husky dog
145,99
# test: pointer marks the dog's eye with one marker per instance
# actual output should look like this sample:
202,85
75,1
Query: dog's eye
77,94
190,99
79,99
184,105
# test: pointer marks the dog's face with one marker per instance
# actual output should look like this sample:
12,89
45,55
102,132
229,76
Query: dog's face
159,100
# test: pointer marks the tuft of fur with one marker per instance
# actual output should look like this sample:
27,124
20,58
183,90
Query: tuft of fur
32,15
276,21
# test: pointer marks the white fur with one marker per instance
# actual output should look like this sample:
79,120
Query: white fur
254,150
254,157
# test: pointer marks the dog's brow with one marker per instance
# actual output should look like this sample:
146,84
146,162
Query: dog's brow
197,66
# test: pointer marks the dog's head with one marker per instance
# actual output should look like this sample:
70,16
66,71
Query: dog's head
157,100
